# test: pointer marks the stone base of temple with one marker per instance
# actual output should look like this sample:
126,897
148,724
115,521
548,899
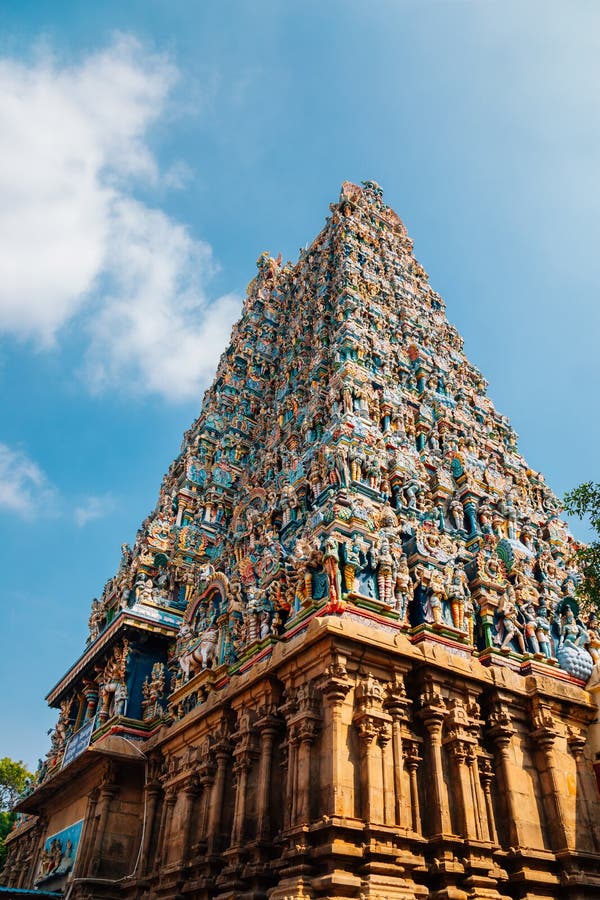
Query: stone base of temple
350,763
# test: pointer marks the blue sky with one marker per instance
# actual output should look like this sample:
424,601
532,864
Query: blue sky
151,150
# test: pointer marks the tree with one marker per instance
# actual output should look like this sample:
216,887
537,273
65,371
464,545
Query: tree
13,779
6,824
585,501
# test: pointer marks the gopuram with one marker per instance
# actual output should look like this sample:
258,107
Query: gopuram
345,657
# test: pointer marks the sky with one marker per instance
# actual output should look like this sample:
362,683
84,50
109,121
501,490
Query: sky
150,151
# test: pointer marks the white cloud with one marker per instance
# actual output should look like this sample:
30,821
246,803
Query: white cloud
26,491
24,488
155,330
75,241
93,507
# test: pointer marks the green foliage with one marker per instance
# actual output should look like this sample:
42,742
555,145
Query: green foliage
6,824
584,501
13,776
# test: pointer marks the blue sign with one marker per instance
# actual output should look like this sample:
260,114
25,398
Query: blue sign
78,743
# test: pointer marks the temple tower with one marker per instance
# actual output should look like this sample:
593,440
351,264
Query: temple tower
344,657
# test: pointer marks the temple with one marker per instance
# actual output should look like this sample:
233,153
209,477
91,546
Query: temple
346,656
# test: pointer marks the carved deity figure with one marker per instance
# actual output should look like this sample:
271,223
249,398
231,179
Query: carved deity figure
509,625
543,629
332,568
593,642
95,619
403,587
457,590
436,596
529,613
571,632
384,563
351,560
457,514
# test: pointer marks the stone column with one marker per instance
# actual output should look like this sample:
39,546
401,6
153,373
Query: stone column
396,704
303,718
107,793
152,794
371,771
463,793
335,687
165,825
371,721
481,820
291,793
501,733
384,734
88,835
268,727
411,761
284,771
241,770
432,714
307,731
545,736
190,790
207,780
486,774
222,752
577,741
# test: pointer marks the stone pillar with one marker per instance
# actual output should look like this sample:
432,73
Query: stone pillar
268,727
545,736
411,761
371,775
371,722
486,774
433,713
480,814
207,780
501,733
463,793
577,741
335,687
291,793
222,752
88,836
245,755
190,790
307,731
303,720
396,704
384,734
107,793
152,794
241,769
165,825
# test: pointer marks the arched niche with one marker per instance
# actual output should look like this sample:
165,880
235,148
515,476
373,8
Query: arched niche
215,594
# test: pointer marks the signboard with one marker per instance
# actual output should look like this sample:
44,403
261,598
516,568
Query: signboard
158,615
78,743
